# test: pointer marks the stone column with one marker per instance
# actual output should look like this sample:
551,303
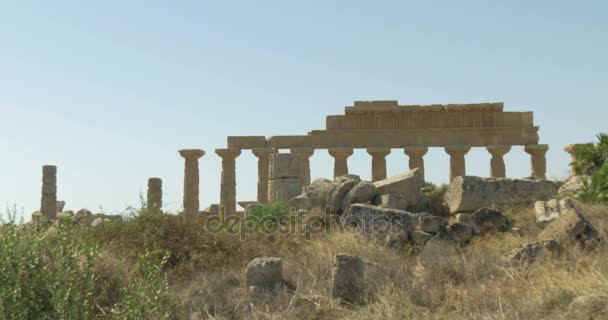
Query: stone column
228,186
48,202
263,155
539,160
191,179
378,162
155,193
497,164
457,162
571,149
304,154
416,157
340,160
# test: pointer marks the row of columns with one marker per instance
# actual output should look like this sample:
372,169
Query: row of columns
416,160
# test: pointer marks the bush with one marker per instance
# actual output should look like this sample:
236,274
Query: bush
269,216
592,160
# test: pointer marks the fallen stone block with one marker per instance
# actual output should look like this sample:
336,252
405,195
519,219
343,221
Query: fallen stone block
468,193
572,227
489,220
362,192
396,201
348,279
530,252
547,211
410,182
377,220
264,273
336,197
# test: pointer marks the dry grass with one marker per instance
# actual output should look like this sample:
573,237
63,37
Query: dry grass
441,282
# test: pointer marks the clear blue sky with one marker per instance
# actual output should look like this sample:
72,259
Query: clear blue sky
109,90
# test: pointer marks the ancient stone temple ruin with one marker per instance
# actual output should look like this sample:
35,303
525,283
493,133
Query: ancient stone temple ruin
379,127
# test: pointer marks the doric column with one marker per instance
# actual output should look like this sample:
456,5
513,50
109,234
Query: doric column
48,201
155,193
304,154
191,179
416,157
263,155
539,159
340,160
571,149
228,186
378,162
457,162
497,164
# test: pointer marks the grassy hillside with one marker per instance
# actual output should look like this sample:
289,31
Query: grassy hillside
159,265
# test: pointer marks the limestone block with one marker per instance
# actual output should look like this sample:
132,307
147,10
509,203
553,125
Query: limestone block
396,201
410,182
546,211
283,189
335,200
468,193
429,223
572,227
531,252
213,210
488,220
284,165
264,273
574,185
348,279
362,192
60,206
377,220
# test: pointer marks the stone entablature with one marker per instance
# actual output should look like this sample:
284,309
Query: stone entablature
385,124
390,115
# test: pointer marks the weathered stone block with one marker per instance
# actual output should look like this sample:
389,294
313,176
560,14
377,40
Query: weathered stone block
489,220
348,279
571,227
264,273
284,165
343,185
410,182
467,194
362,192
283,189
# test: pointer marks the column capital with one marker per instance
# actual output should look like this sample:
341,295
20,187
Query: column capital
340,152
415,150
498,150
229,153
263,152
457,150
303,152
536,148
571,148
379,152
191,153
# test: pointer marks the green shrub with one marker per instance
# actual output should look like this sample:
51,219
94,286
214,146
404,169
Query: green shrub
269,216
45,273
592,160
147,296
